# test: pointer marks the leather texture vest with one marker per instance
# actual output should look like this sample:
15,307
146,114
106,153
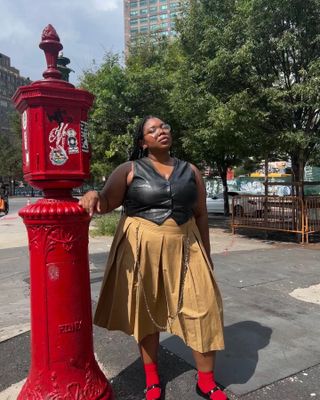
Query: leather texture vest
155,198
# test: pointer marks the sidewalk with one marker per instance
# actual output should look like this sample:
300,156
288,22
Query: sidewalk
271,299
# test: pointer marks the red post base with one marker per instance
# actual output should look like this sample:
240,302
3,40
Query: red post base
62,359
67,383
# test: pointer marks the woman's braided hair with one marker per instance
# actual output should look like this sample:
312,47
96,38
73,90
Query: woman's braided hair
138,151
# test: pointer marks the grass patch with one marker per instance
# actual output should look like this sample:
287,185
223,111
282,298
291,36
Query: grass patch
105,225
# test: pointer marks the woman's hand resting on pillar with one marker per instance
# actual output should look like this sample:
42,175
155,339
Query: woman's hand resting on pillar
91,202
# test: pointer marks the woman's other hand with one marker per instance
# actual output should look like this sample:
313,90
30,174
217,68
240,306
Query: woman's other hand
91,202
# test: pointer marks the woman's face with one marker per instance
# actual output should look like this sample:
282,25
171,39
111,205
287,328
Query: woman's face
156,134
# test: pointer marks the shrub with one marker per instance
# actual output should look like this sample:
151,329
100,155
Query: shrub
105,225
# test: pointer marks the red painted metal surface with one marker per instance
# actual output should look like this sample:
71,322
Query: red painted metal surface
55,144
56,159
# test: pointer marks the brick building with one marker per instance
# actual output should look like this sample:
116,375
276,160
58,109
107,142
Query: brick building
10,80
151,17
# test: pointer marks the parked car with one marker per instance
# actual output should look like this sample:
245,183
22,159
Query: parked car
215,203
248,205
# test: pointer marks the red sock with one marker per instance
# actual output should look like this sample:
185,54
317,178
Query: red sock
152,377
206,383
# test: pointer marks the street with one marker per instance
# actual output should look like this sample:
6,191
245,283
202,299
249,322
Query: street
272,337
15,203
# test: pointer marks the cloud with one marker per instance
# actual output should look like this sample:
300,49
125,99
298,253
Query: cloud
103,5
12,25
87,30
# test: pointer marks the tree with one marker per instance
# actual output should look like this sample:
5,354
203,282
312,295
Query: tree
218,102
251,75
10,150
286,50
108,117
124,94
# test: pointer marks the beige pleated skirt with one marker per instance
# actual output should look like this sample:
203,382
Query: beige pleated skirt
158,278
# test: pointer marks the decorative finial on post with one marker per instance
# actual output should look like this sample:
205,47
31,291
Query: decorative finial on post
50,44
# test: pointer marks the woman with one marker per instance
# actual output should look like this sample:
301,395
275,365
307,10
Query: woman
159,275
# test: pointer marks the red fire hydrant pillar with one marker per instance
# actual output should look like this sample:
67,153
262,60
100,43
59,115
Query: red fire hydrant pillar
56,159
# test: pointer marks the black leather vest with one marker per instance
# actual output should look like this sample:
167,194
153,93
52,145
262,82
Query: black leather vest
155,198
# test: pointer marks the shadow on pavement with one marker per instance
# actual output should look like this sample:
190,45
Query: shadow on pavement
120,355
130,383
238,362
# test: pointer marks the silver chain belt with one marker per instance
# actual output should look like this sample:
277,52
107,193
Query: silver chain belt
186,258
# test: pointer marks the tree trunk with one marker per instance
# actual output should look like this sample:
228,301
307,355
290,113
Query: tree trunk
301,173
297,165
266,193
266,176
223,169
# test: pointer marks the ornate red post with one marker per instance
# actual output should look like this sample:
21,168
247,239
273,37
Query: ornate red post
56,159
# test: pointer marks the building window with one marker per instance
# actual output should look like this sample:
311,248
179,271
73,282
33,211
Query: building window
154,27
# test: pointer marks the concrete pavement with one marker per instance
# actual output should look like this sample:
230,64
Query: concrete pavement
271,298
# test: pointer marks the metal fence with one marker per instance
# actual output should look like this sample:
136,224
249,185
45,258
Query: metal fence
312,215
277,213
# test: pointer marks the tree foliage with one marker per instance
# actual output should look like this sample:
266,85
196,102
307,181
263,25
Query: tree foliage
286,49
252,75
241,80
10,150
109,115
124,94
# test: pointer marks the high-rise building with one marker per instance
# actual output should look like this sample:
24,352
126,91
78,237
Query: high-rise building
150,17
10,80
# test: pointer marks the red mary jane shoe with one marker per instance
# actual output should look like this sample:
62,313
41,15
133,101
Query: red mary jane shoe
156,385
208,394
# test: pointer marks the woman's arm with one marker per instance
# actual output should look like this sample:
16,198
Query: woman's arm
200,212
112,194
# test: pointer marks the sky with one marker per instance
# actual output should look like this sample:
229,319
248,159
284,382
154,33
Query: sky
88,29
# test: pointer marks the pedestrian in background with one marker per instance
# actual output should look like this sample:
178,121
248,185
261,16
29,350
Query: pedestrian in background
159,275
4,199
